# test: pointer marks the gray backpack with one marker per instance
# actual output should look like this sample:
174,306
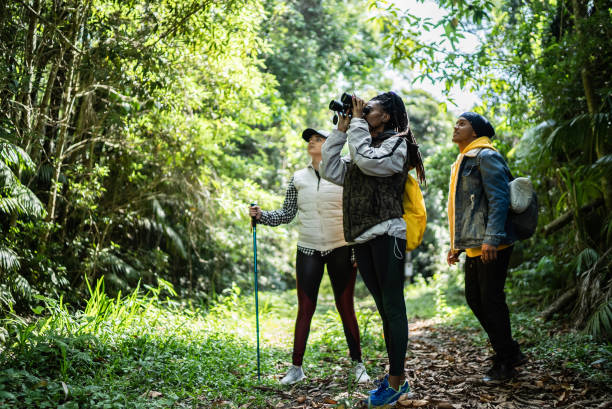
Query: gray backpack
523,211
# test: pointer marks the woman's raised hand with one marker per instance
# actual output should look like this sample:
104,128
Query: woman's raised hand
255,211
343,122
358,105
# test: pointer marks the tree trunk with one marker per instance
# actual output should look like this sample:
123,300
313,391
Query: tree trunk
68,102
566,217
559,303
593,101
23,117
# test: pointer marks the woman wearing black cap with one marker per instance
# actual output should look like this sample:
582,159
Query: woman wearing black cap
318,205
478,202
382,149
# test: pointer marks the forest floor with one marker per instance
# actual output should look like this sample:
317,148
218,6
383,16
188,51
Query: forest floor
448,354
149,351
445,367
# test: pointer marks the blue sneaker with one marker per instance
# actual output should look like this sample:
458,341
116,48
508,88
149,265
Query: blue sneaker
387,396
384,384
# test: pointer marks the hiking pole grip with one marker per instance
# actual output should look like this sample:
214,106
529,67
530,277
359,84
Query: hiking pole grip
253,218
254,227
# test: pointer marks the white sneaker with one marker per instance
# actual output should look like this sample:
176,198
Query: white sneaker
361,376
295,374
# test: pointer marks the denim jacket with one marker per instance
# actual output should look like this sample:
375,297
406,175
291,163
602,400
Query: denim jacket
482,200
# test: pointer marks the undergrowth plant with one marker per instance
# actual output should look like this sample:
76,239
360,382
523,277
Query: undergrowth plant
145,349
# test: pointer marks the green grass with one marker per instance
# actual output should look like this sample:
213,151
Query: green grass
146,351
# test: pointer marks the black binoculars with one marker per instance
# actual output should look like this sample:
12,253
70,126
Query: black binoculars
343,107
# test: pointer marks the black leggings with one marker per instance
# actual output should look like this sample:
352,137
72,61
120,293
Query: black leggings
381,264
342,275
484,293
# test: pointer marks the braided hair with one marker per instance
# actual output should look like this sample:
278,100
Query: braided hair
393,105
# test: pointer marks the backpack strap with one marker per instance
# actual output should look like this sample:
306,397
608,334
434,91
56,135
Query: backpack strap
479,160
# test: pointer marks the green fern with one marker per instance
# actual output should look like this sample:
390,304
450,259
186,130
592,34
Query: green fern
15,156
603,166
580,133
586,259
22,201
161,228
6,295
600,322
175,241
45,173
14,196
9,261
21,285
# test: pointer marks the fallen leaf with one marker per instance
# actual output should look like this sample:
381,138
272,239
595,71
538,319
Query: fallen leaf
301,399
329,401
486,398
40,384
65,388
445,405
154,394
539,384
410,403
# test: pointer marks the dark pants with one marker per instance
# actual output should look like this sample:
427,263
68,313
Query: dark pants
484,292
381,264
342,276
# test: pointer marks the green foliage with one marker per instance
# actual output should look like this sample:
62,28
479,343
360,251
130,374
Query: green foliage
107,355
600,322
317,46
15,198
545,79
147,350
16,201
141,131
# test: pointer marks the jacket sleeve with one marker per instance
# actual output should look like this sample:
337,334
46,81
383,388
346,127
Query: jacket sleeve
493,170
385,160
332,166
284,214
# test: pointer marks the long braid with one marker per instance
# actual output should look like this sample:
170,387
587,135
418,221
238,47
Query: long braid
393,105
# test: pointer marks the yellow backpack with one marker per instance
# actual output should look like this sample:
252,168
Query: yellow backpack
415,214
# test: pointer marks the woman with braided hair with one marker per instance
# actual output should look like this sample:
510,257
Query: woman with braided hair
382,149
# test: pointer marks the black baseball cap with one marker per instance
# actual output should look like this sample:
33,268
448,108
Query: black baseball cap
308,132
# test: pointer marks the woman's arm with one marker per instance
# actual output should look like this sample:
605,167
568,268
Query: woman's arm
332,166
286,213
495,184
385,160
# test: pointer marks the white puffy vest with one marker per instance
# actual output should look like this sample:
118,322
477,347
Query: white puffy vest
319,211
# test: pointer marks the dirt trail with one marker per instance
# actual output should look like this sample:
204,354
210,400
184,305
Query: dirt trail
444,370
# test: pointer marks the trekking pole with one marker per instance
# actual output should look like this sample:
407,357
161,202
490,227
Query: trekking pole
254,229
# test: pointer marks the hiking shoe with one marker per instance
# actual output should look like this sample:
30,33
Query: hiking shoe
295,374
500,371
386,395
361,376
384,383
516,359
